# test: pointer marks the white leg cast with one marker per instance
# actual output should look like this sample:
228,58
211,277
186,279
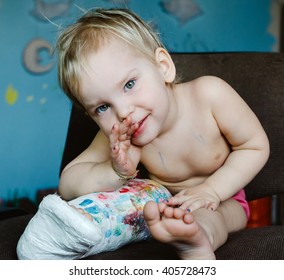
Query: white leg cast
58,231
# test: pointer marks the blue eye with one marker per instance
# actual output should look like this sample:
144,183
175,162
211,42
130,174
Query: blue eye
101,109
129,85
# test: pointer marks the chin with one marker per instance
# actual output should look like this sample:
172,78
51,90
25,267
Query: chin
143,140
137,142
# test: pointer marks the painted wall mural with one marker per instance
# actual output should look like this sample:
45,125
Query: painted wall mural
182,10
48,10
32,56
34,113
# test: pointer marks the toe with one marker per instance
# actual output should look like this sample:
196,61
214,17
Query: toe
188,218
178,213
151,213
169,212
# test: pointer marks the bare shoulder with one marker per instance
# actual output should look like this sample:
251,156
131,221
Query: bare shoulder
219,96
207,85
207,89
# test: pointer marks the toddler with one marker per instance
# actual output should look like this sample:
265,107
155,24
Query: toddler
199,139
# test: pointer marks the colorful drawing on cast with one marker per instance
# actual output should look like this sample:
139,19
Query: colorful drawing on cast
123,208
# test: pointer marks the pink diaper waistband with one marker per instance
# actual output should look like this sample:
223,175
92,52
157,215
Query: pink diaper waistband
241,198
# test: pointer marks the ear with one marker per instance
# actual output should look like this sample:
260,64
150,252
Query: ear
166,64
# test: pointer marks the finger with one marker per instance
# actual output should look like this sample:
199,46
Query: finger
126,129
123,137
125,125
114,150
132,129
212,206
127,121
191,206
117,141
177,200
114,134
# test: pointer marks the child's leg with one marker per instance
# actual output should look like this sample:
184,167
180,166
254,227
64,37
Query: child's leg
198,234
109,221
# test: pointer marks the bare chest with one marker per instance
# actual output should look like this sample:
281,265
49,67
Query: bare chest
189,153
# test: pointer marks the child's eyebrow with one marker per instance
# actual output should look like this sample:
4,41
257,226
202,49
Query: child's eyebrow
126,76
92,104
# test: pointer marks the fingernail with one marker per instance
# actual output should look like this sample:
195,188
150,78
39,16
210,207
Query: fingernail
188,209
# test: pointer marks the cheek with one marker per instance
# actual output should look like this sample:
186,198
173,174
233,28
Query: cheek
153,95
161,98
105,129
106,125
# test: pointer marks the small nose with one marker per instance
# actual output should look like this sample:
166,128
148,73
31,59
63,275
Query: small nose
124,110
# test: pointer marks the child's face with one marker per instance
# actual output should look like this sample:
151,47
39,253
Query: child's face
118,82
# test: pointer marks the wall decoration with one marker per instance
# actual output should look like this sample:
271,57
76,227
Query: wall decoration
47,11
11,95
30,98
32,59
118,2
183,10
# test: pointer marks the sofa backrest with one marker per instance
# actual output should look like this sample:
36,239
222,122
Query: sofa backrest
257,77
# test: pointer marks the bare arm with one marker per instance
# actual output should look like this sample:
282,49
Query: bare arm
248,140
97,168
90,171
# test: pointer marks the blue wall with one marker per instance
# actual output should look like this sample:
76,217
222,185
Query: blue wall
34,112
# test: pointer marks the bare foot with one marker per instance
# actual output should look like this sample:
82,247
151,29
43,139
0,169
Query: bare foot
176,226
84,213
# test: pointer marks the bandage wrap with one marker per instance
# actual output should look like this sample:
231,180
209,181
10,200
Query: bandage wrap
57,231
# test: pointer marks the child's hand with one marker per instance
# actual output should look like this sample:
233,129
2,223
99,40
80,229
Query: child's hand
125,156
194,198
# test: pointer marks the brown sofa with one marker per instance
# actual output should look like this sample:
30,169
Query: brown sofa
259,79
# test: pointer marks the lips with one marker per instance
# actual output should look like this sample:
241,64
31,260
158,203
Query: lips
140,128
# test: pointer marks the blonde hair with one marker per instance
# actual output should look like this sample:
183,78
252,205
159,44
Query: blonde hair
89,33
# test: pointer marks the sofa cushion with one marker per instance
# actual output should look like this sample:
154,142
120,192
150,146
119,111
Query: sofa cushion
265,243
10,232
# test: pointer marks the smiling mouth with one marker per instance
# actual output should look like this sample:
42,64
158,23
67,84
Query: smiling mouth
140,128
141,121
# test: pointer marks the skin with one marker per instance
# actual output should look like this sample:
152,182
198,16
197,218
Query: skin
203,125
